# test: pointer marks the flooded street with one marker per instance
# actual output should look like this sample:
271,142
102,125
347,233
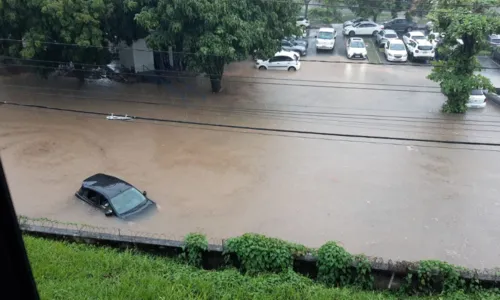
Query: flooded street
382,197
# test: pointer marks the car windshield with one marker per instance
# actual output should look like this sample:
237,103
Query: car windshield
425,47
127,201
397,47
418,37
391,35
357,44
477,92
325,35
496,41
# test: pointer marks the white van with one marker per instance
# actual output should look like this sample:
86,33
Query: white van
325,40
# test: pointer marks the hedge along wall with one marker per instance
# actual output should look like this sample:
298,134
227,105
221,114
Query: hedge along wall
331,264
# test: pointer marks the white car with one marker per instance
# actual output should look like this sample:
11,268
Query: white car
363,28
414,35
325,40
303,22
283,60
356,48
420,49
477,99
395,50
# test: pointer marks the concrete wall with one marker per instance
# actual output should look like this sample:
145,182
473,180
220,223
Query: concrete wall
387,275
126,55
137,56
143,56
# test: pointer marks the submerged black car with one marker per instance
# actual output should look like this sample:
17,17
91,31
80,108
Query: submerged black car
113,196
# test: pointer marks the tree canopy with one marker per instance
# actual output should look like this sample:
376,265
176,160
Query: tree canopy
465,25
210,33
214,33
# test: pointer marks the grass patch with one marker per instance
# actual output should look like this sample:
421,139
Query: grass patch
77,271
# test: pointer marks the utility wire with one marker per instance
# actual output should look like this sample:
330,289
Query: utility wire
264,129
259,82
301,136
291,113
213,55
228,76
90,94
324,120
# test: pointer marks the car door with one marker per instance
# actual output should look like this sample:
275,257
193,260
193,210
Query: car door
406,37
411,46
380,36
92,197
370,28
288,62
277,63
399,24
285,45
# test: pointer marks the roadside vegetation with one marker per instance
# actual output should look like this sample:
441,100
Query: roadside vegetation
65,270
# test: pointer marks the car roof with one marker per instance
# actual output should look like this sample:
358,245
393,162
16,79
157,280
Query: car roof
396,41
367,22
327,29
416,33
356,39
107,185
286,53
423,42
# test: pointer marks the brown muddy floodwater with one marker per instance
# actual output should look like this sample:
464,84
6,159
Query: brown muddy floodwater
392,199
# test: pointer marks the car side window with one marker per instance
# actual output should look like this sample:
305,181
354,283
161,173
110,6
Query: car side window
399,21
93,196
278,58
370,25
288,59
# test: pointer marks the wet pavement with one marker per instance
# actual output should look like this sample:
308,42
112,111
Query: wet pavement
397,200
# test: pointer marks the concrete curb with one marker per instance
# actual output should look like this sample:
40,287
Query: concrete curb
387,274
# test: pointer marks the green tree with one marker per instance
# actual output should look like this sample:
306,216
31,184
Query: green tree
12,26
218,32
373,8
466,25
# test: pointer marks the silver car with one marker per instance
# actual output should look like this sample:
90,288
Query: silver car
494,40
384,36
294,46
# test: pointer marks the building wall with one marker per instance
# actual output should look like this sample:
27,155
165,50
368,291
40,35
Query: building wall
143,56
126,56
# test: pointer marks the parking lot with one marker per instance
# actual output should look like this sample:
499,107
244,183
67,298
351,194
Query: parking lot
375,55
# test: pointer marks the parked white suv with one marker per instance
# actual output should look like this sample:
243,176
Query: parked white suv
283,60
413,35
420,49
395,50
325,40
356,48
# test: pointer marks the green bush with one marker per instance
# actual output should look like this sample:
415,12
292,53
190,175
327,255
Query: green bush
194,246
260,254
433,276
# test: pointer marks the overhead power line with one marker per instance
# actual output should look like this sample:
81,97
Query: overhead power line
234,76
265,83
209,55
264,129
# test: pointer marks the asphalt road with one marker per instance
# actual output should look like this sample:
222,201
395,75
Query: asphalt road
389,198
